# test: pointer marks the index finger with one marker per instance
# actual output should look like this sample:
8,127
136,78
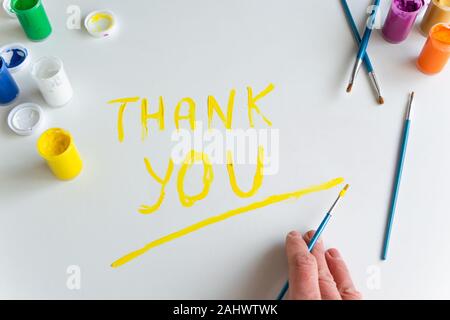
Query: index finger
303,273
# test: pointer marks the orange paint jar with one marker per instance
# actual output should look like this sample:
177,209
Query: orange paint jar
436,52
438,12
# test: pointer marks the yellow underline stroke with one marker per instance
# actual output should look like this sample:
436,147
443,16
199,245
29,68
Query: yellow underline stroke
204,223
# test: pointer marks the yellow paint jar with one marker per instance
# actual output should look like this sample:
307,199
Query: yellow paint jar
438,11
56,146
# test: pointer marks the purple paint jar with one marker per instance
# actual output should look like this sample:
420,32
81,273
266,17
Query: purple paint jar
400,20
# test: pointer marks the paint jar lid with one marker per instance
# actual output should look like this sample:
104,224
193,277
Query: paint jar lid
101,23
25,118
7,8
15,55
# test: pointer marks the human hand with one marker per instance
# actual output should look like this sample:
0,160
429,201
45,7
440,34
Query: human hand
319,275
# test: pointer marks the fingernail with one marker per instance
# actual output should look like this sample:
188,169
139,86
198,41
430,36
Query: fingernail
294,234
310,235
334,253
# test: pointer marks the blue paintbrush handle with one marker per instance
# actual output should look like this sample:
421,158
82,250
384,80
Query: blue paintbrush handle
311,245
368,31
319,231
396,189
356,35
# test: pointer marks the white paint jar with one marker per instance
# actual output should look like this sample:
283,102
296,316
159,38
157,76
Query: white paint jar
52,81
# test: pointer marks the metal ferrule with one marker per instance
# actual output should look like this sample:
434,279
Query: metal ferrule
408,110
330,212
374,79
355,70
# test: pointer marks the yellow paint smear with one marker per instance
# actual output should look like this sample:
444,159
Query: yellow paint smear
100,16
224,216
102,21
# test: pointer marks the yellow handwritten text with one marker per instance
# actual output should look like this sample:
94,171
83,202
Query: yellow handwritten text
257,180
213,106
253,107
189,115
145,116
208,176
123,104
144,209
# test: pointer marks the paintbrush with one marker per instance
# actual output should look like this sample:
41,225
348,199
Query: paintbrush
363,45
317,234
366,58
398,176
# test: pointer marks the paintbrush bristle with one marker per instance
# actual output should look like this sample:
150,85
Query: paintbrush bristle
344,191
380,100
349,88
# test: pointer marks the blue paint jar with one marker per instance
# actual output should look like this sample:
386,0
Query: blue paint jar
8,86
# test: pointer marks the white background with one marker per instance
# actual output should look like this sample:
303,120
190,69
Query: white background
196,48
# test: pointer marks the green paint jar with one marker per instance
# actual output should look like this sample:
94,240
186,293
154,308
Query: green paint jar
32,17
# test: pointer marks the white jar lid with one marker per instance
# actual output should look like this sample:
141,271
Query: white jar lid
7,8
101,23
25,118
16,56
